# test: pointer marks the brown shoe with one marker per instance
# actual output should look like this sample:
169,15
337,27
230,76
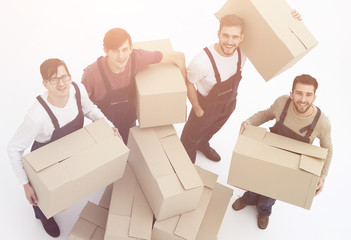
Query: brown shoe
211,154
239,204
262,221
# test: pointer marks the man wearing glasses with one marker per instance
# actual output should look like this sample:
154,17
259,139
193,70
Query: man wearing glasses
56,113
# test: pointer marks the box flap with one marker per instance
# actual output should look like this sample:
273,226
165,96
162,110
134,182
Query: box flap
302,34
90,159
181,162
169,185
95,214
99,130
117,226
208,178
98,234
254,132
59,150
311,164
152,151
106,197
82,229
54,176
296,146
215,212
142,216
165,131
189,223
123,193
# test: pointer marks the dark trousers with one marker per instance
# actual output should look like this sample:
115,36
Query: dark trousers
198,131
38,213
264,204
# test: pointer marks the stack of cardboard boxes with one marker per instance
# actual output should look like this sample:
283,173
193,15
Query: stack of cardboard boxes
160,181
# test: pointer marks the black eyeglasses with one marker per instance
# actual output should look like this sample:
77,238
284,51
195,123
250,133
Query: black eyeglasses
55,80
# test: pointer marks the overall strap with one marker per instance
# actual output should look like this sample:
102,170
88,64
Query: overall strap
78,96
48,110
285,111
103,75
311,127
238,66
214,66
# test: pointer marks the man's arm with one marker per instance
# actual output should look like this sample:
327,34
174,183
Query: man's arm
192,95
176,58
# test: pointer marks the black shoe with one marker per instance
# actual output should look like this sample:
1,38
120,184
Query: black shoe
211,154
51,227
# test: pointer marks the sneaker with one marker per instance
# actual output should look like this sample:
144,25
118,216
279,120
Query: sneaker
239,204
51,227
211,154
262,221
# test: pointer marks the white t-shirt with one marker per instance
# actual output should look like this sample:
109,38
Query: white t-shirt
37,125
201,73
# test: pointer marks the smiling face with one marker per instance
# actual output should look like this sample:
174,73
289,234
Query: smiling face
303,97
230,37
117,59
61,89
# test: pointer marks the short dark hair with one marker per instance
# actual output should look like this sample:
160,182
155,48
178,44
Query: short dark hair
115,37
49,67
305,79
231,20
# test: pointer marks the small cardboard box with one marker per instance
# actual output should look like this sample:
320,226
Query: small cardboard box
75,166
204,222
161,90
91,223
273,41
164,171
130,216
276,166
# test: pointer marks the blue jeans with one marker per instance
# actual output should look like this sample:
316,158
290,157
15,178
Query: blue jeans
264,204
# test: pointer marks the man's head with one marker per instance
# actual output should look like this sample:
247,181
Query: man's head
56,77
303,93
118,47
230,34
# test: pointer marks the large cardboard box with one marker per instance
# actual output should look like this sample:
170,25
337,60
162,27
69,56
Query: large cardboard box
130,216
75,166
91,223
204,222
165,173
276,166
273,41
161,90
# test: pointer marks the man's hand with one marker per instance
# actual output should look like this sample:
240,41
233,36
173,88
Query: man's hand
30,194
116,132
199,112
296,14
319,187
243,127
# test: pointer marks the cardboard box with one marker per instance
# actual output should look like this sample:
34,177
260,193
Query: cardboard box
106,197
273,41
91,223
276,166
204,222
161,90
75,166
130,216
164,171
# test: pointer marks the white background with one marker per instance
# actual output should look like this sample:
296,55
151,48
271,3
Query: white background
32,31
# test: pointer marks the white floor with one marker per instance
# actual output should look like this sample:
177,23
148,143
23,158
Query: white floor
32,31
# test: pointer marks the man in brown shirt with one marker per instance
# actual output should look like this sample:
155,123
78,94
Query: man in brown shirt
297,118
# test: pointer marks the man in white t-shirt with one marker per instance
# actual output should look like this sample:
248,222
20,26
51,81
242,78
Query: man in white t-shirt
216,72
